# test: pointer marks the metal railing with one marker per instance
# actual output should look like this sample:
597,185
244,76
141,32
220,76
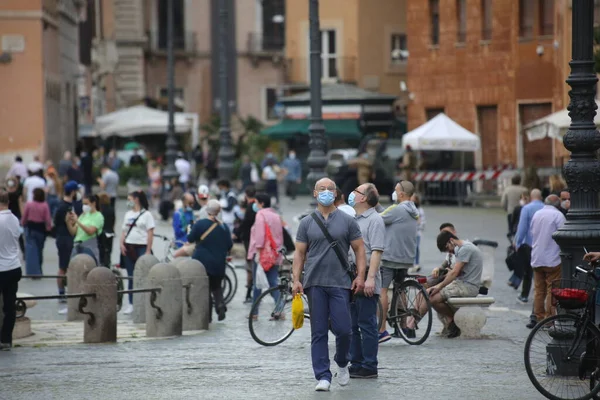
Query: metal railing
335,69
183,44
21,306
259,43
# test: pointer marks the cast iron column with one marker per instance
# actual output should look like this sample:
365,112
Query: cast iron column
582,172
317,159
171,153
226,153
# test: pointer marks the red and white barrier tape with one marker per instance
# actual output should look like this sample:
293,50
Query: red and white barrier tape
449,176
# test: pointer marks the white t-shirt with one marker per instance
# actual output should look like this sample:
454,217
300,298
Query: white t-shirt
10,231
347,209
183,168
32,183
269,173
139,233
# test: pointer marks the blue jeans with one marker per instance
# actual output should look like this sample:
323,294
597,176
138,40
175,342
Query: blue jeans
365,338
418,253
53,203
272,277
130,266
34,250
329,304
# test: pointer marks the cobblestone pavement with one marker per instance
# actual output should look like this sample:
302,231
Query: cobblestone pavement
225,363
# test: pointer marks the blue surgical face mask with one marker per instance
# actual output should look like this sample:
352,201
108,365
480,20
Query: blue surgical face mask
189,209
351,199
326,198
255,207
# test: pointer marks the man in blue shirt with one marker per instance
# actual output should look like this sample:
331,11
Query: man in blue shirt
293,176
523,241
183,219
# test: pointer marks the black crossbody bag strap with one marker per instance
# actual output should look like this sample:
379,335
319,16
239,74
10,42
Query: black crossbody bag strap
133,223
335,246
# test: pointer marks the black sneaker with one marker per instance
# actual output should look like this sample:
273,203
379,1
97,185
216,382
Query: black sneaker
363,373
453,331
353,369
221,313
532,323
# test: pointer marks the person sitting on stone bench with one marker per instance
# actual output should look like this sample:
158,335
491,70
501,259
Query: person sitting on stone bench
463,280
438,273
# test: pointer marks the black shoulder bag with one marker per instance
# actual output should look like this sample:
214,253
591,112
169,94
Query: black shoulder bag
350,269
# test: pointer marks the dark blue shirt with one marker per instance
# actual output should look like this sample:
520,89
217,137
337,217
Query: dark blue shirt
60,224
212,251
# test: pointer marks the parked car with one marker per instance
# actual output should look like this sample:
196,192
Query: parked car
337,158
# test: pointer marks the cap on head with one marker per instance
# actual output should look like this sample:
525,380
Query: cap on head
71,187
203,192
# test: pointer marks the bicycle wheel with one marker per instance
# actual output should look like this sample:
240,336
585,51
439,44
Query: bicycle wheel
270,319
230,273
226,286
555,353
413,326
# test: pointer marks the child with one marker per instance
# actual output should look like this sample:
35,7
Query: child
420,228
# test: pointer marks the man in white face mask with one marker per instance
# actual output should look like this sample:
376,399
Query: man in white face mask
293,174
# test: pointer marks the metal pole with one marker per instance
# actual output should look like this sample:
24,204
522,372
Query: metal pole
226,153
171,144
317,159
582,171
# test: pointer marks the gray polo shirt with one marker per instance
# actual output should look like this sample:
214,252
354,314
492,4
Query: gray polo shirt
373,233
111,183
322,266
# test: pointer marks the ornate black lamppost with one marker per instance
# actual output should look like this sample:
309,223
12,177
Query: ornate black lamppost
582,172
226,154
317,159
171,153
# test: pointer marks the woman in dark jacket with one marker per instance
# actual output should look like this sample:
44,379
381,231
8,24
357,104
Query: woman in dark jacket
213,243
105,240
244,230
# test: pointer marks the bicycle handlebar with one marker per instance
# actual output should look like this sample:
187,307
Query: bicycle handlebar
588,272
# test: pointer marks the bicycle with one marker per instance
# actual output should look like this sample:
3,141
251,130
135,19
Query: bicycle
230,281
407,298
273,308
569,360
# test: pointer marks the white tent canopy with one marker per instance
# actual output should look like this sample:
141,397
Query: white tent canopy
140,120
553,126
441,133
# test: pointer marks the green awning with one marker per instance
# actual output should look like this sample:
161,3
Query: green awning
334,128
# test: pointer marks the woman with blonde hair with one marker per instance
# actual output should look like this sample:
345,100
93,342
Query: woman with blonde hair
557,184
53,189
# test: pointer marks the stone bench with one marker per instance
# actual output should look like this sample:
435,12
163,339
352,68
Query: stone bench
470,316
23,324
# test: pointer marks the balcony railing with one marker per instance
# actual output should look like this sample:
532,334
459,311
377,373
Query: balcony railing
334,69
183,44
258,43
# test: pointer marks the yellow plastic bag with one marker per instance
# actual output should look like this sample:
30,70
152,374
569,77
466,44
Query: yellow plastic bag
297,312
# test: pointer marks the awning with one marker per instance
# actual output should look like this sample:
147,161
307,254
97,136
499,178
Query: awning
334,129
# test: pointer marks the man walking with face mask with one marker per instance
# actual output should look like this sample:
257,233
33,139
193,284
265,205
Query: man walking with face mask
322,243
293,175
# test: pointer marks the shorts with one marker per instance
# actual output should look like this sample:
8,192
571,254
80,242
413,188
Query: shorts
459,289
391,271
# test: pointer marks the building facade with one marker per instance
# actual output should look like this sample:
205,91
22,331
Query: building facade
38,75
364,42
493,67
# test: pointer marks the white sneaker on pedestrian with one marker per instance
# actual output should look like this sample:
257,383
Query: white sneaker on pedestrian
63,311
128,309
343,376
323,386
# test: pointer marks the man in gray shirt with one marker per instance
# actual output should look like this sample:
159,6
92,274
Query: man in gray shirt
327,281
365,343
401,222
109,183
463,280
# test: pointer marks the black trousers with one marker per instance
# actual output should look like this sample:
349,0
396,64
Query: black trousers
216,300
525,271
9,284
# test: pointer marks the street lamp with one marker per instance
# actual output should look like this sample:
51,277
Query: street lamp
582,171
171,153
317,159
226,153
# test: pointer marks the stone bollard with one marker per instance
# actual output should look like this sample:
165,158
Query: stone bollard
79,268
167,322
196,308
140,281
101,326
470,320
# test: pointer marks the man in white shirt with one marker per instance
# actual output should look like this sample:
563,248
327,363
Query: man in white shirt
36,165
17,169
10,269
184,169
34,181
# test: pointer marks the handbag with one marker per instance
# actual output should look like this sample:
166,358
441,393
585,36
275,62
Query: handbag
268,254
350,268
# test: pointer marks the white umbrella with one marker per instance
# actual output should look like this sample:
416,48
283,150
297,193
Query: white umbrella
140,120
441,133
554,125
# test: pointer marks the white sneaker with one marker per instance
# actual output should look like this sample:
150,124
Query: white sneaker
128,309
343,376
63,311
323,386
